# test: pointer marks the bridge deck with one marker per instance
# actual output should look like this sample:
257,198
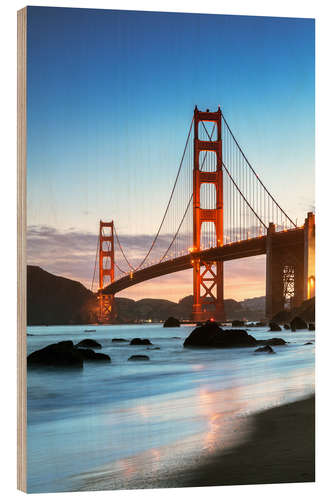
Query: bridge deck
232,251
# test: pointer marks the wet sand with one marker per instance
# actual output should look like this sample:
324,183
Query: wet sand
279,447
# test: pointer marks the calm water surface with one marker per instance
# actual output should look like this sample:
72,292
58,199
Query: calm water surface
161,413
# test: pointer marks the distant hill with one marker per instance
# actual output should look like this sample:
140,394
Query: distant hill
54,300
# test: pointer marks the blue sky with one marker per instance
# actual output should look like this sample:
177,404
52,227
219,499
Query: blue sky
111,95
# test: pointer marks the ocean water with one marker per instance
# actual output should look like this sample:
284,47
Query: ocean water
125,424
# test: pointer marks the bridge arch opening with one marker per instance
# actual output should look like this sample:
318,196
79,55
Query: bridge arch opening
207,235
208,196
207,161
206,127
106,246
106,263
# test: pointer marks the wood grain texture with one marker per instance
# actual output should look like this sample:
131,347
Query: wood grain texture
21,249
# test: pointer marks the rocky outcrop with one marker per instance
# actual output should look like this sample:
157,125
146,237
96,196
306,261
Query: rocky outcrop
274,341
137,341
298,324
119,340
64,355
274,327
211,335
89,343
237,322
171,322
267,349
311,327
139,357
90,355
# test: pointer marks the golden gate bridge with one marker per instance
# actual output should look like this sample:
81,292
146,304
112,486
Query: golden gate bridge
218,210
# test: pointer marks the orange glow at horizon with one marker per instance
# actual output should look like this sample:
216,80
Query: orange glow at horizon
243,279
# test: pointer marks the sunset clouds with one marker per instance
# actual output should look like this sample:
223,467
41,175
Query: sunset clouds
72,254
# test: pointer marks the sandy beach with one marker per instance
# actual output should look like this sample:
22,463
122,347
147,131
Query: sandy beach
280,448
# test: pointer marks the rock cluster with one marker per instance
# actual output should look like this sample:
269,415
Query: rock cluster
211,335
237,322
64,354
274,327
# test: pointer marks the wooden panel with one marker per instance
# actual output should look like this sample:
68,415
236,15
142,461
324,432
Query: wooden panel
21,251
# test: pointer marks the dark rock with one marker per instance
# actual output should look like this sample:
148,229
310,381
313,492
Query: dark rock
89,331
298,324
171,322
211,335
267,349
119,340
62,354
237,322
261,323
309,343
90,355
138,341
311,326
138,357
89,343
274,327
274,341
286,327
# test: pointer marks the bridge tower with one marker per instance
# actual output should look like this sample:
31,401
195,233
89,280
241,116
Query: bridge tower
207,276
107,310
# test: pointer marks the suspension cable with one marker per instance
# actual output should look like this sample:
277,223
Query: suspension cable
191,197
119,269
166,210
176,234
240,192
252,169
121,249
93,279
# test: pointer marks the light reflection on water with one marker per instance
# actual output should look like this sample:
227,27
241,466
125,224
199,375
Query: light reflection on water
146,418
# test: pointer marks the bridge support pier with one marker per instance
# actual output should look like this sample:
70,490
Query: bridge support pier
290,273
